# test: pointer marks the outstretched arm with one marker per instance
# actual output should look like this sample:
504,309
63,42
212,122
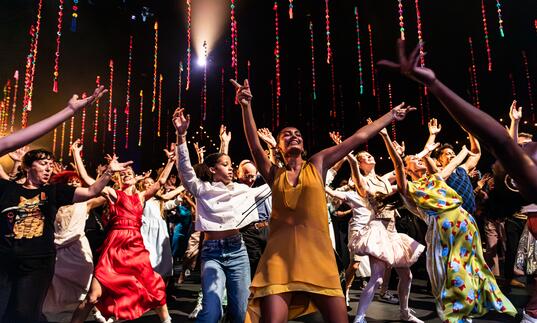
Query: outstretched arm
521,167
27,135
262,162
326,158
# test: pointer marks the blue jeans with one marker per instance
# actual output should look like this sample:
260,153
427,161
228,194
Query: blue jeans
224,265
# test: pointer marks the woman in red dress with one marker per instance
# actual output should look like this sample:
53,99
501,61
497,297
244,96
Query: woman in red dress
124,285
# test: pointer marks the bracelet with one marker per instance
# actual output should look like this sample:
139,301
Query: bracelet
182,135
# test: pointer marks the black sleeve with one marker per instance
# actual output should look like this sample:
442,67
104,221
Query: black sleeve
64,194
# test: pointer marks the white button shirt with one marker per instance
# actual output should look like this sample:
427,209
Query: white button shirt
219,207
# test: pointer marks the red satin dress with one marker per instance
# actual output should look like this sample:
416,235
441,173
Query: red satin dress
130,287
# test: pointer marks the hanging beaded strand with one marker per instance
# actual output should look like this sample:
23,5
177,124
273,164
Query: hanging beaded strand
56,73
54,138
15,92
401,19
155,54
204,93
328,45
359,50
500,19
180,84
277,61
159,104
290,9
110,108
372,59
473,70
234,41
189,41
222,98
114,132
390,98
96,120
312,47
74,15
62,143
485,30
128,96
528,79
141,118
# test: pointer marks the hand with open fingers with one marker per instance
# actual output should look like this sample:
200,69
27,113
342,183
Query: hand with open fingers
267,137
17,155
243,93
224,136
180,121
408,65
428,149
399,112
115,166
100,169
514,113
75,103
399,149
57,168
336,137
434,126
76,147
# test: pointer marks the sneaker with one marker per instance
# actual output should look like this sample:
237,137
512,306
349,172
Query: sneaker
526,318
389,298
195,312
359,319
407,316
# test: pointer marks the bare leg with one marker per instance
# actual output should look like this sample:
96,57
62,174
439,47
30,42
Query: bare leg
275,308
162,312
350,273
332,308
403,288
84,308
386,280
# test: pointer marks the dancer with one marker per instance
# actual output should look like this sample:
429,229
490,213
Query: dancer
124,284
297,272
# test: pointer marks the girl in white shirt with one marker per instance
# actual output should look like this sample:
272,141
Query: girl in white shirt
223,207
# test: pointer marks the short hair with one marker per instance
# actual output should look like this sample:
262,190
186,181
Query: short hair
438,151
525,135
36,154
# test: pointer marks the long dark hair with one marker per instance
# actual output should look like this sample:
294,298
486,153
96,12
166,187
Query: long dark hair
203,171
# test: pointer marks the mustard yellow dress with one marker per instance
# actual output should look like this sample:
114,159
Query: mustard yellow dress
462,283
299,255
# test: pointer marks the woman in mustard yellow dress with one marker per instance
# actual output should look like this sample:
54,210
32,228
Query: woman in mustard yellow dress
462,283
297,273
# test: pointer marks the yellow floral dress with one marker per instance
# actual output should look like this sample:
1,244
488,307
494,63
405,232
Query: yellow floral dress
462,283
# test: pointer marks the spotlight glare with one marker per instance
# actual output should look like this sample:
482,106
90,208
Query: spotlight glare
202,61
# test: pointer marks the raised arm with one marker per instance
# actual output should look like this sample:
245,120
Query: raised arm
173,193
153,189
262,162
265,135
326,158
454,163
474,155
425,156
434,130
515,115
521,167
400,176
225,138
85,193
76,149
27,135
200,152
336,194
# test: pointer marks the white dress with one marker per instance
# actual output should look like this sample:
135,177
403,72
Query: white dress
74,264
156,238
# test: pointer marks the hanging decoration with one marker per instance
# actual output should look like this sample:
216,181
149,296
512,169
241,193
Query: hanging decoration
312,46
333,85
328,45
54,138
96,121
513,87
204,91
420,34
159,104
390,101
5,107
189,41
110,108
277,61
15,92
83,125
372,59
128,97
485,30
153,101
180,82
74,15
141,117
234,42
71,131
57,53
62,143
401,19
528,79
359,50
290,9
30,67
114,132
500,19
222,97
473,75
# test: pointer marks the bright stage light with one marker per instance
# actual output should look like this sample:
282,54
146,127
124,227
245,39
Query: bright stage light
209,21
202,61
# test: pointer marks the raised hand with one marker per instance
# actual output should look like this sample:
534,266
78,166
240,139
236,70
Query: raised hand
267,137
484,179
336,137
17,155
399,149
428,149
114,165
100,169
243,93
383,132
76,147
224,136
75,103
57,168
514,113
180,122
144,175
369,121
400,111
434,127
408,65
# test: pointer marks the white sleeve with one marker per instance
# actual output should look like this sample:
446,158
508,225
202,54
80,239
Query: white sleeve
186,173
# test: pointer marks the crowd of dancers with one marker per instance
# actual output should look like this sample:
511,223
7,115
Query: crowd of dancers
73,245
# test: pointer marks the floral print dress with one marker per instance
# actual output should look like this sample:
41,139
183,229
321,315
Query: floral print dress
462,283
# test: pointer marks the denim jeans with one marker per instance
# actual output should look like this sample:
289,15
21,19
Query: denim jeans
224,265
